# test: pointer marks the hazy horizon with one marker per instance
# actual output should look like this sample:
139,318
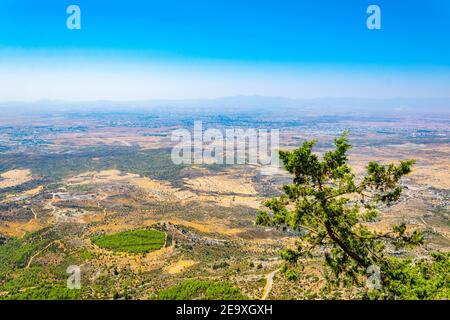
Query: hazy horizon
238,104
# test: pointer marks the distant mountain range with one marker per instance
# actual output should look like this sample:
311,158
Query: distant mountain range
233,104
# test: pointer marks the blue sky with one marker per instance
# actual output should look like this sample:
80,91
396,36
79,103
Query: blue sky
139,49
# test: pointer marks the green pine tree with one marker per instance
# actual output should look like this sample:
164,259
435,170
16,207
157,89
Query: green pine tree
329,208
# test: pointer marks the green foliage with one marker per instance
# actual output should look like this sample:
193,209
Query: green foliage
36,283
203,290
291,274
46,292
135,241
16,252
420,279
18,281
329,208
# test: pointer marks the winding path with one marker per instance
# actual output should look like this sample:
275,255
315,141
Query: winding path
426,224
40,251
269,283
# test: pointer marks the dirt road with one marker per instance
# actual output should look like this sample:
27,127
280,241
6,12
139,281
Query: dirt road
269,283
